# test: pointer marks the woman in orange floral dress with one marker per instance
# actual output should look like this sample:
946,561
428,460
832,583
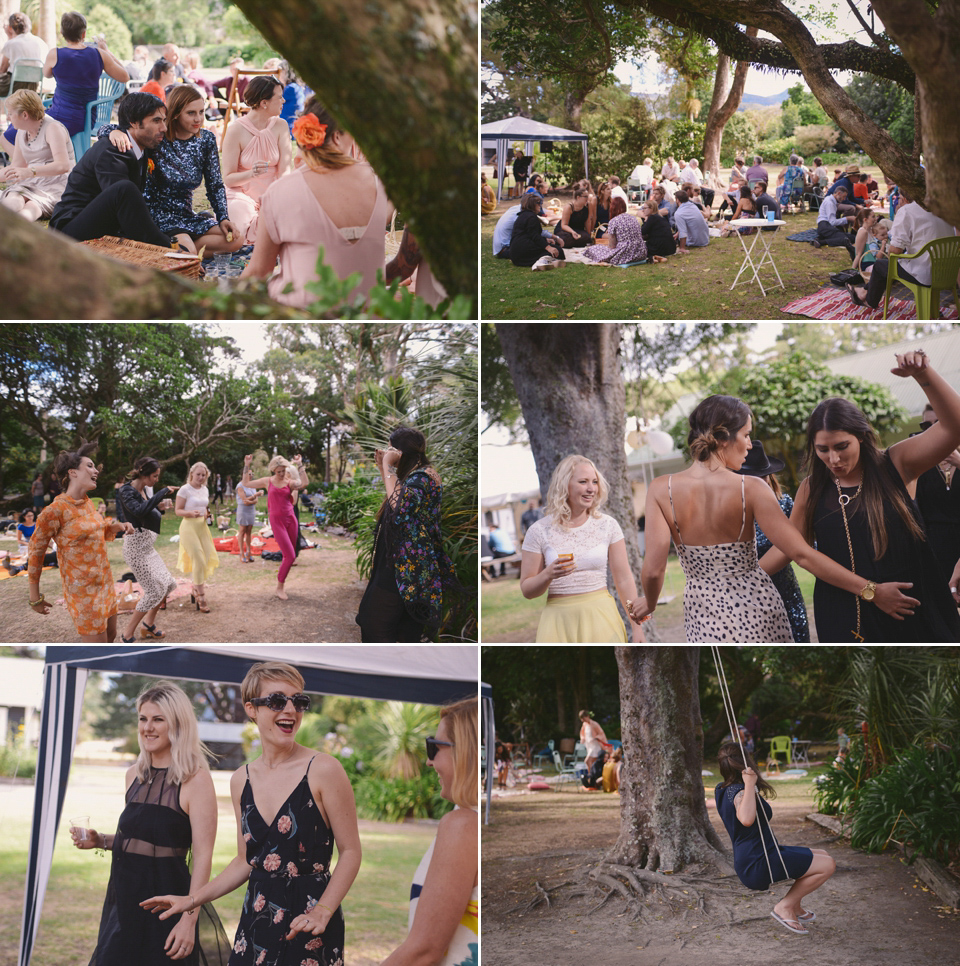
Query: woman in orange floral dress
80,533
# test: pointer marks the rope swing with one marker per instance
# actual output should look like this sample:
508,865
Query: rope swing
735,731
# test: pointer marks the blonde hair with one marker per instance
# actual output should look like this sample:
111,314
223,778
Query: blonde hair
197,466
558,505
290,475
461,718
188,754
268,671
26,101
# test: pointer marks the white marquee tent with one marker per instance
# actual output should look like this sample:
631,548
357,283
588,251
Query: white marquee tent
501,134
434,674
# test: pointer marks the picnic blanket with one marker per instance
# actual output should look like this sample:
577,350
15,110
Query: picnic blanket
257,545
804,236
834,304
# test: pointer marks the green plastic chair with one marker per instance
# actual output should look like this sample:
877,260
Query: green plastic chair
781,743
945,264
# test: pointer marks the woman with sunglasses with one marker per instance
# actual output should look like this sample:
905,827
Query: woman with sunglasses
291,806
80,533
443,896
171,812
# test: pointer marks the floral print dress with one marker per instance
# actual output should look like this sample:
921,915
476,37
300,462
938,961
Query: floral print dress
290,863
630,246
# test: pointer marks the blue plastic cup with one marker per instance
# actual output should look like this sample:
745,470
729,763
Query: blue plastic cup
770,215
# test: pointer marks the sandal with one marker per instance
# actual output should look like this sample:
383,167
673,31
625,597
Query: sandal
799,930
853,294
807,917
150,630
202,604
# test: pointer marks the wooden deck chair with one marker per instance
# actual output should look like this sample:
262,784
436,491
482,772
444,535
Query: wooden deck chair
234,104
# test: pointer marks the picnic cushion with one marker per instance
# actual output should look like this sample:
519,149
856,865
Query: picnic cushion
538,787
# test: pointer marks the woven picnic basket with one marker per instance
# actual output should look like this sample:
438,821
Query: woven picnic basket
145,254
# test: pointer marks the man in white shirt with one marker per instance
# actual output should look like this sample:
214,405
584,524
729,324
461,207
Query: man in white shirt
642,174
670,171
913,227
616,191
692,229
691,173
21,45
830,222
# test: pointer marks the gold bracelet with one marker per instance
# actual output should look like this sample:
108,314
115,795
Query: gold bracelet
322,906
33,603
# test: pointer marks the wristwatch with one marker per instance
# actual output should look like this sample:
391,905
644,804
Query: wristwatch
869,591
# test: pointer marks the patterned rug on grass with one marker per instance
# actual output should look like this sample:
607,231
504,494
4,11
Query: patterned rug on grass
834,304
804,236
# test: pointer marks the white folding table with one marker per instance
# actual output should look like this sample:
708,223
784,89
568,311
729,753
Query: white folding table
748,252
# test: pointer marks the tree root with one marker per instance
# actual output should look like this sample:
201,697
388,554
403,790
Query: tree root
543,895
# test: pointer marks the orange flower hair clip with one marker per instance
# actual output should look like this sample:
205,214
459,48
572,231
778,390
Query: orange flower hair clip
309,132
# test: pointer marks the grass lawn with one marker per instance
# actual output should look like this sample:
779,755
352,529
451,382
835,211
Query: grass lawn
508,617
375,909
695,286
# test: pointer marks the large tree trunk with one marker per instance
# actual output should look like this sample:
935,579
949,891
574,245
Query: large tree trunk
744,675
664,825
401,76
91,286
722,108
568,381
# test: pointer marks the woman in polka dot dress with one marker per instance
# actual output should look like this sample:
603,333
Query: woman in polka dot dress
80,533
728,598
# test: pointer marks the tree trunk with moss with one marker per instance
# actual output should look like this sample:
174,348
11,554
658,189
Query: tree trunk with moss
401,77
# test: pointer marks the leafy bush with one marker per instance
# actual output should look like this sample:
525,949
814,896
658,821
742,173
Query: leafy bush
102,20
16,759
915,802
813,139
837,790
776,151
393,800
219,55
347,504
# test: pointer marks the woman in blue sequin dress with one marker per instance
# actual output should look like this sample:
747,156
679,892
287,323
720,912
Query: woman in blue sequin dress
185,159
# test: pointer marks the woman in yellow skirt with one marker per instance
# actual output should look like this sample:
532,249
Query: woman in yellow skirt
198,556
567,554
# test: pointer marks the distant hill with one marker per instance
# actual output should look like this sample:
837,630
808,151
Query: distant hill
755,100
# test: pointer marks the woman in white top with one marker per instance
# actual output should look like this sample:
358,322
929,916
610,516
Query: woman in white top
198,556
443,923
593,736
579,607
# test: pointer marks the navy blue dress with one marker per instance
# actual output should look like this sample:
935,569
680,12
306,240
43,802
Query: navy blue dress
786,582
748,844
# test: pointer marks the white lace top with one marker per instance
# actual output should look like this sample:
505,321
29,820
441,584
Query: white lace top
589,544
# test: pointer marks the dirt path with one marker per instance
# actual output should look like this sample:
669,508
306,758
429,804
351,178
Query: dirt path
873,912
324,592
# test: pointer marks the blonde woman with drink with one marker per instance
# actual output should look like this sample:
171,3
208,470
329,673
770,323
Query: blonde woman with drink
198,556
566,555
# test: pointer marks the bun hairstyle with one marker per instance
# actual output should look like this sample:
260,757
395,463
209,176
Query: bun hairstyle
732,763
67,461
413,445
840,415
316,142
716,421
558,505
261,89
144,466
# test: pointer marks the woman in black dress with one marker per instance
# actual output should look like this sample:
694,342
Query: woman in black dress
410,570
527,243
171,811
573,221
656,233
291,804
759,464
858,504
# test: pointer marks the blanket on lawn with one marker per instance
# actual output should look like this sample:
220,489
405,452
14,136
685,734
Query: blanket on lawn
834,304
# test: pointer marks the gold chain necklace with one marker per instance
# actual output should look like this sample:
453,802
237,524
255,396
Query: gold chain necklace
843,500
947,474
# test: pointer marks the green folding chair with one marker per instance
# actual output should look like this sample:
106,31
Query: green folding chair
944,265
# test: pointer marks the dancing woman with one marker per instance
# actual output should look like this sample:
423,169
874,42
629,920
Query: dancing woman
758,859
566,555
292,905
592,735
444,898
138,550
410,568
171,812
282,489
728,597
858,505
80,532
198,556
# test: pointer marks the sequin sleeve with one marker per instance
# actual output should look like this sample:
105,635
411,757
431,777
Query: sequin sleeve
212,178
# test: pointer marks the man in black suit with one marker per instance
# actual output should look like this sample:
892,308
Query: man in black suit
104,193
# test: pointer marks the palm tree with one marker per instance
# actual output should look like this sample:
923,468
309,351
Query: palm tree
398,738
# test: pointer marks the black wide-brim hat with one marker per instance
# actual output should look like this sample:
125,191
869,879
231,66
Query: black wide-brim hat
758,463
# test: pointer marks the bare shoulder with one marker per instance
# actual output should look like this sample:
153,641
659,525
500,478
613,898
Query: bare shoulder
130,775
459,826
326,767
238,780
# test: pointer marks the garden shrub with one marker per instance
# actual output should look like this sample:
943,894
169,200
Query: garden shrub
16,758
396,799
347,504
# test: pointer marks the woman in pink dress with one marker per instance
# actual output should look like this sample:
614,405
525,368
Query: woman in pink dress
333,201
256,151
282,488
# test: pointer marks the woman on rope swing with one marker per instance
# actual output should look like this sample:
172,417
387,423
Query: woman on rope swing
758,859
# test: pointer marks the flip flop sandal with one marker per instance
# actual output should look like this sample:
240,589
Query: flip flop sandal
799,930
807,917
